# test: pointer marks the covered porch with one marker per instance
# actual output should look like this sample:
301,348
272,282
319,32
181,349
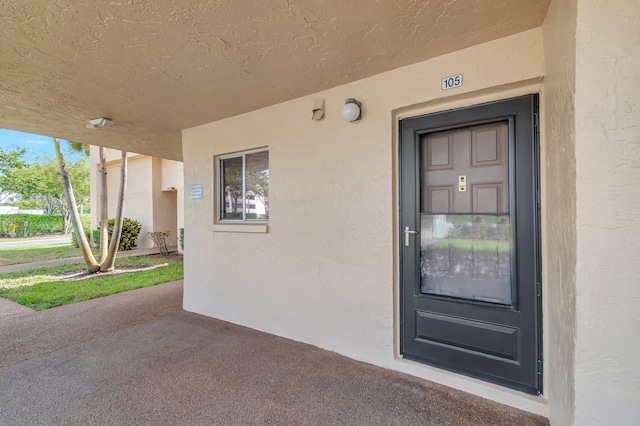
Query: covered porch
213,83
138,358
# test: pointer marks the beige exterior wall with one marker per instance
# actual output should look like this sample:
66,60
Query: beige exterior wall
153,188
180,199
165,201
325,273
558,170
607,97
140,195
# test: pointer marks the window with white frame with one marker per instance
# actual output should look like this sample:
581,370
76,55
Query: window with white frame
244,186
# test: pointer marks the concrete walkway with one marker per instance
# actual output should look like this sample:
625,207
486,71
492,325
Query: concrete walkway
10,242
77,259
137,358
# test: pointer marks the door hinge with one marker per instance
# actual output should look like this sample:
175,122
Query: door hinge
538,199
540,377
536,120
538,289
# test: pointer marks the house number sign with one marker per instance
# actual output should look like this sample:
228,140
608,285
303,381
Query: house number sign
451,82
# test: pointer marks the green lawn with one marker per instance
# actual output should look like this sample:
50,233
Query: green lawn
26,254
478,245
44,288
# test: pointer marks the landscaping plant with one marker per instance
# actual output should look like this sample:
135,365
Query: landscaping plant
129,235
74,239
107,255
36,224
159,238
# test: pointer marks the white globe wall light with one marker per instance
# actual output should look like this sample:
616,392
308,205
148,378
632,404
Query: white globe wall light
351,110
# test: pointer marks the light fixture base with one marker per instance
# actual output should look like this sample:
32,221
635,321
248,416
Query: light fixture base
94,123
352,110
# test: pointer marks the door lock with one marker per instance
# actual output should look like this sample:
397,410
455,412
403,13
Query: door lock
408,232
462,184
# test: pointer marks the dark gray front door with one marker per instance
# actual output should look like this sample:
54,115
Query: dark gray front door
470,242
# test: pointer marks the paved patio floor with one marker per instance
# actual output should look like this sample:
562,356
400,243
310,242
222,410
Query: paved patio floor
137,359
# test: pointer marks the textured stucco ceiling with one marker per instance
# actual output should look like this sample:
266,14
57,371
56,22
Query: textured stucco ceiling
158,66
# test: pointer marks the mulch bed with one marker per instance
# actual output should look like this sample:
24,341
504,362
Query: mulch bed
173,255
84,275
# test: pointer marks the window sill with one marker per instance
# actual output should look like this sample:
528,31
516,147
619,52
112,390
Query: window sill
261,228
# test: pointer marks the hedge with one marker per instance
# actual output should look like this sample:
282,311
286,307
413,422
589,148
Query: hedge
85,219
74,240
86,225
37,224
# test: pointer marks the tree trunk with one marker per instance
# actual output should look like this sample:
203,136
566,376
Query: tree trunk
92,265
66,218
104,212
109,263
66,215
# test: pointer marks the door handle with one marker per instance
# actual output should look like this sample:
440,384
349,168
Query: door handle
408,232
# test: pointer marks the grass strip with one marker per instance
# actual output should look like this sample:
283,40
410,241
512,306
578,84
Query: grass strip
40,289
476,245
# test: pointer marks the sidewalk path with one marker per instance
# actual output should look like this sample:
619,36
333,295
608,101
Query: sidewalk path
68,260
8,242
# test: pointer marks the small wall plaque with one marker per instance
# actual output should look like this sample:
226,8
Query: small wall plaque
196,191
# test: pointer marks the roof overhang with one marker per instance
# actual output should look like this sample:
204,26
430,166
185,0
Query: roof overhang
157,67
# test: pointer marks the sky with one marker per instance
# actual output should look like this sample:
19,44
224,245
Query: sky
36,145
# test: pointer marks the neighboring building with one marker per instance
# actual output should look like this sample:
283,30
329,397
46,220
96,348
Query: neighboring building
154,193
9,198
9,210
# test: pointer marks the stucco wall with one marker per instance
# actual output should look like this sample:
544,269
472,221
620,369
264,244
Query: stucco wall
93,173
180,198
112,158
608,200
139,201
558,169
171,176
324,273
165,208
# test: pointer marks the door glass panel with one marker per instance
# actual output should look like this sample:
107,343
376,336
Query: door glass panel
466,256
465,237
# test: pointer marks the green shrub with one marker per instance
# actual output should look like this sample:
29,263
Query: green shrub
36,224
96,237
130,232
85,219
159,239
181,239
74,240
